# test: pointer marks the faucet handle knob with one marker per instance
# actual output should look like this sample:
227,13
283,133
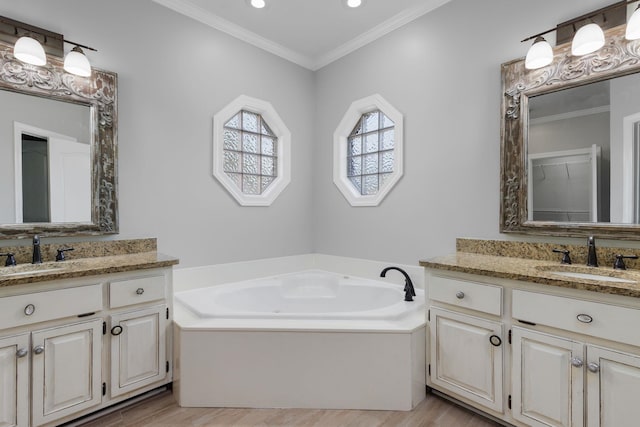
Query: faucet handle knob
11,260
566,259
618,264
60,255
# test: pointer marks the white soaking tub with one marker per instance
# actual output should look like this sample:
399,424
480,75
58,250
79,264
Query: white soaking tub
311,339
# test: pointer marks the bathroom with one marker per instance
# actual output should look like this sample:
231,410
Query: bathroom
441,71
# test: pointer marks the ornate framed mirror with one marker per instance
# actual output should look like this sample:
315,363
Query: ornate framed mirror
570,143
58,150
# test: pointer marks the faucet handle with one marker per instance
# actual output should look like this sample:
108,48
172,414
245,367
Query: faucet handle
566,259
60,255
618,264
11,260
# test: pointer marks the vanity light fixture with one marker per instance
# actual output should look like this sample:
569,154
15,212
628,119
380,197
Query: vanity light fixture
29,50
587,39
258,4
32,44
354,3
633,26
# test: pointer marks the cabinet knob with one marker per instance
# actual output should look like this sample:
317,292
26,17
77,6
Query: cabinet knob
495,340
139,291
29,309
577,362
584,318
22,352
39,349
116,330
593,367
459,294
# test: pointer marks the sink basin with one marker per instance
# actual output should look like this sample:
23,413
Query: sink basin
589,276
29,269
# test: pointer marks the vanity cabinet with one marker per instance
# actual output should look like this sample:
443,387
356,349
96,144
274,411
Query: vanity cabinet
69,348
566,357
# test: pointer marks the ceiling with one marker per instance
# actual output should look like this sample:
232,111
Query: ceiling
310,33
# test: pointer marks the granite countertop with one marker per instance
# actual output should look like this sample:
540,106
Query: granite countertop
81,267
539,271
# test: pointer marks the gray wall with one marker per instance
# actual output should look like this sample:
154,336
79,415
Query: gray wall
441,71
174,74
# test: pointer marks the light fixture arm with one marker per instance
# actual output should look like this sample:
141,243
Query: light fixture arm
80,45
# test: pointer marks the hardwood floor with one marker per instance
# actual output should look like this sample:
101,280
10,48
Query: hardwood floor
162,411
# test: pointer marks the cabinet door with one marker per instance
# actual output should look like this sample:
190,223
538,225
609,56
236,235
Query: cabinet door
14,381
138,349
66,375
547,376
463,359
613,382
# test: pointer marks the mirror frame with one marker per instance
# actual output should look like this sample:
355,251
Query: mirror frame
99,92
617,58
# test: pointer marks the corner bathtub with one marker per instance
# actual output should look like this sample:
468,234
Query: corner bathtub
311,339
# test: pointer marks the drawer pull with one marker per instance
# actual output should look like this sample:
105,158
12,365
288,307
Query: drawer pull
116,330
593,367
459,294
577,362
585,318
39,349
22,352
29,309
139,291
495,340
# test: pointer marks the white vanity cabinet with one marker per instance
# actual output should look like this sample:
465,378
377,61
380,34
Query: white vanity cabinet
466,345
567,357
71,347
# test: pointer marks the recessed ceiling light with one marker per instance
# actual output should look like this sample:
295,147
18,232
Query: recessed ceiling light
258,4
354,3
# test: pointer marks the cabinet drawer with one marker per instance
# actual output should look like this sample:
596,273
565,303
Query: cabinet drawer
471,295
136,291
49,305
585,317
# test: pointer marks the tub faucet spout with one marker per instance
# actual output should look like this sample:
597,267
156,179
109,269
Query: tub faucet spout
409,291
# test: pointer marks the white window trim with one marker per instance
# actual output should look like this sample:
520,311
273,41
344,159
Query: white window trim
283,150
340,139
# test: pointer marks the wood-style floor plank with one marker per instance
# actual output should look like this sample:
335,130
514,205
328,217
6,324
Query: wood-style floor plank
162,411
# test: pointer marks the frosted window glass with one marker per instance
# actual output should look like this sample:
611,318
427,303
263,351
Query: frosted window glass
249,143
249,121
250,156
231,140
233,122
250,184
370,152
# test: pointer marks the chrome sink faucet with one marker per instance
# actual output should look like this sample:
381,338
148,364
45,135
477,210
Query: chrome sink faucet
592,258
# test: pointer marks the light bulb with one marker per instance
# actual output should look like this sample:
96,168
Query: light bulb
633,26
540,54
354,3
77,63
258,4
588,39
29,50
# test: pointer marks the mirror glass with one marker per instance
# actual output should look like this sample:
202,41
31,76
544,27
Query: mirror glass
582,153
45,160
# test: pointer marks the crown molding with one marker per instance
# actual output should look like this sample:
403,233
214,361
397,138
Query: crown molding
185,7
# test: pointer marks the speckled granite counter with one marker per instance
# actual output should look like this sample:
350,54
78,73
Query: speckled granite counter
103,258
537,271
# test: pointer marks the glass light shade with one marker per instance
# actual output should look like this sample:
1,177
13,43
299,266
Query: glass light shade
29,50
588,39
540,54
354,3
77,63
633,26
258,4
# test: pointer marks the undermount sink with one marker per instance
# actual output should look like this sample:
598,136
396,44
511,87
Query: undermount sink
29,269
590,276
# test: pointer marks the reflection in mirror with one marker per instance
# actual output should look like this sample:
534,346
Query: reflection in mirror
45,160
581,141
